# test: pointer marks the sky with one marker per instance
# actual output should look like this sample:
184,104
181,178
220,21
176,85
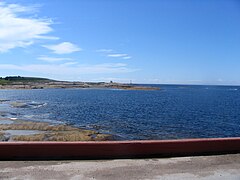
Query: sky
143,41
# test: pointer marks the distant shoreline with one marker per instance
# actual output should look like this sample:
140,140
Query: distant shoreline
41,83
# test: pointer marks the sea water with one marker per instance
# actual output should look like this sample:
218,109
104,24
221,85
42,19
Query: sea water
173,112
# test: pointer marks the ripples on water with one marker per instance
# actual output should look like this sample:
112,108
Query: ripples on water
170,113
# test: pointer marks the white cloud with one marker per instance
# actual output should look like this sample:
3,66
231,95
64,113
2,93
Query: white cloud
69,63
117,55
71,69
21,31
53,59
104,50
63,48
127,57
111,53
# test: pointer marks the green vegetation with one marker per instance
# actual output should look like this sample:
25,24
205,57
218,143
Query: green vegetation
3,81
21,79
12,79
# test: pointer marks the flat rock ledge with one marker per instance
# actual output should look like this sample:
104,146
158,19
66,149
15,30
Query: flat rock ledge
22,130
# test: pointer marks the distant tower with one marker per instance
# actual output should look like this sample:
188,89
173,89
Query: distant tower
130,81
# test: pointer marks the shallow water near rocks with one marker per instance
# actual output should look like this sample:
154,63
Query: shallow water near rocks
6,122
22,132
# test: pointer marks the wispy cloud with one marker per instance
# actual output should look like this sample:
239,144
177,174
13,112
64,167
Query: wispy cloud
63,48
117,55
69,63
111,53
127,57
53,59
21,31
67,69
104,50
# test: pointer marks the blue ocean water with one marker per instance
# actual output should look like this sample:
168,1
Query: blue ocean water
175,111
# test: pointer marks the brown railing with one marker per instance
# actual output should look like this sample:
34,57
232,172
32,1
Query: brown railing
117,149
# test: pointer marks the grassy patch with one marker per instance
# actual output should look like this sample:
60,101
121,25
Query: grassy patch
3,82
12,79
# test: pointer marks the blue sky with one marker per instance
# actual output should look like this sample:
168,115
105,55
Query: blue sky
146,41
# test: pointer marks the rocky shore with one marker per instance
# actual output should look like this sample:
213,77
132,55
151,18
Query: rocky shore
48,84
12,129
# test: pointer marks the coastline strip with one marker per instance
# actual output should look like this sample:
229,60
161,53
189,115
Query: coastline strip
117,149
